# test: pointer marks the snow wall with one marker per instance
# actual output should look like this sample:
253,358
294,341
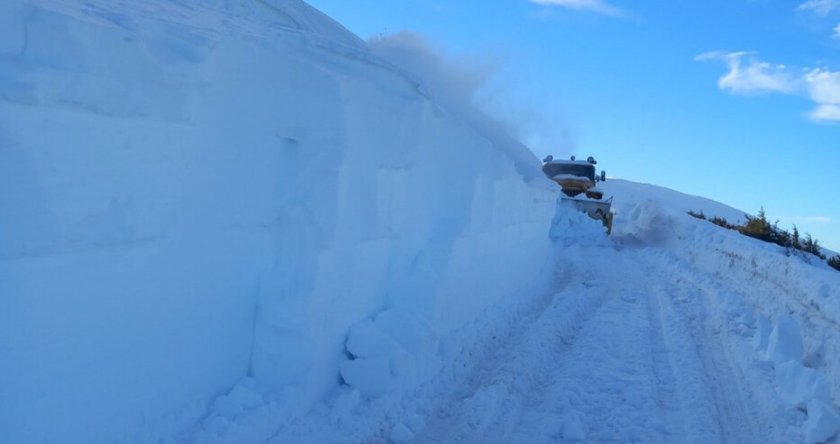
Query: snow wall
194,194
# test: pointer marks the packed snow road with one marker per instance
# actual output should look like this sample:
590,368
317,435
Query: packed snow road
641,348
618,355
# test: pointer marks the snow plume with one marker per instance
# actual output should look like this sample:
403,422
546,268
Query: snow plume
454,80
749,75
474,87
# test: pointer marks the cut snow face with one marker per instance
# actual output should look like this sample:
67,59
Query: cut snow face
194,193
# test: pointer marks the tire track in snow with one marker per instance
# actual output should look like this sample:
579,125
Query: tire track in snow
591,366
699,423
482,354
500,390
629,357
743,395
664,372
616,384
698,391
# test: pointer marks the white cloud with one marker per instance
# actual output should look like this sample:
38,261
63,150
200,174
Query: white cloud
824,89
598,6
749,75
825,113
824,86
837,31
820,7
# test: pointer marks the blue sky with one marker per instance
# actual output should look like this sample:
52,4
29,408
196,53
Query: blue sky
735,100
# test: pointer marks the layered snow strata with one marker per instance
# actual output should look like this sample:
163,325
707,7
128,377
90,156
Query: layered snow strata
193,194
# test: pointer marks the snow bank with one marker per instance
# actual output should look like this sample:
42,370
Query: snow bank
780,281
645,223
627,194
802,343
802,387
795,284
194,194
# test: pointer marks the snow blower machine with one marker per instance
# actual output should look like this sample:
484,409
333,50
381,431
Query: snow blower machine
578,181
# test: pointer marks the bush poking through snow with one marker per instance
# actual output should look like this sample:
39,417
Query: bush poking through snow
699,215
835,262
759,227
722,222
810,245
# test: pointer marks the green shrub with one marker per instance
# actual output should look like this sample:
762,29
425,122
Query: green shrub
812,246
759,227
722,222
834,262
795,241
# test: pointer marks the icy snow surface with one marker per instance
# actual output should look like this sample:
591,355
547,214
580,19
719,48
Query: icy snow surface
230,222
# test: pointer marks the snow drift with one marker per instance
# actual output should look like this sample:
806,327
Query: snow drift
192,194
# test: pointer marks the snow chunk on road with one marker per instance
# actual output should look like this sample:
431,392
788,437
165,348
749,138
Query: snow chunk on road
364,340
799,384
394,350
243,396
762,334
573,429
802,387
823,422
785,341
400,433
371,376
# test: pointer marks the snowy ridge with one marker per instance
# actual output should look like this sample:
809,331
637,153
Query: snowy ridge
628,194
258,19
